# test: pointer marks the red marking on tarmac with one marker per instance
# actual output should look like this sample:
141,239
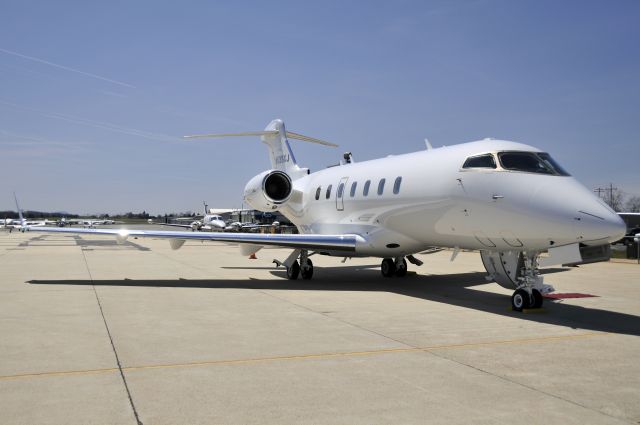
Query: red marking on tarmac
568,295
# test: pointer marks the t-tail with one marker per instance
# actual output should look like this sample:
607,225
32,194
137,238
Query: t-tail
276,137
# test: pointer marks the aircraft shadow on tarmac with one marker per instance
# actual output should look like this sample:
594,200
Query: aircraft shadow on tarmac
453,289
86,244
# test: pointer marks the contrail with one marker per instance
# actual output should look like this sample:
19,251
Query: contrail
66,68
96,124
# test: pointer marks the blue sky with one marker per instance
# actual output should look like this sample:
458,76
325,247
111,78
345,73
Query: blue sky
95,96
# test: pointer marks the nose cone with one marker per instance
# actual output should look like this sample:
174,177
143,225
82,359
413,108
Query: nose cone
566,201
598,224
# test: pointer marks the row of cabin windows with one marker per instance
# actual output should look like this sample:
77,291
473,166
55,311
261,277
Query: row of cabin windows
365,190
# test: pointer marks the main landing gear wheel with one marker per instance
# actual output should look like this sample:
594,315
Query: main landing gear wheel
388,267
293,271
401,268
520,300
307,271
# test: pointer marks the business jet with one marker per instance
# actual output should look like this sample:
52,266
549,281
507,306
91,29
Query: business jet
510,201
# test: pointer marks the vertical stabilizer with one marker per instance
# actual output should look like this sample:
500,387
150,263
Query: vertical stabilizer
280,152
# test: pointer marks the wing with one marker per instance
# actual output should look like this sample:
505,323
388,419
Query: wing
341,243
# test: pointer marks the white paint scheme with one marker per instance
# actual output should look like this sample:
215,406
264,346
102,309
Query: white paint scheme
440,204
511,216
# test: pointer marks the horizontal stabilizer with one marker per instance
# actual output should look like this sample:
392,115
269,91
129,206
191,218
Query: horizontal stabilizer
289,134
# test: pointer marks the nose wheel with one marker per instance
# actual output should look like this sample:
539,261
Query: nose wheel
521,299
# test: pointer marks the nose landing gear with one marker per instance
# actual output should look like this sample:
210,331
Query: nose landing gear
531,286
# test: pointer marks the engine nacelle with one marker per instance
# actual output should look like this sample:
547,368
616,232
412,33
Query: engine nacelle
269,190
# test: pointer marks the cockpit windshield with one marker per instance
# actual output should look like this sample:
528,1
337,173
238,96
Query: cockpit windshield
531,162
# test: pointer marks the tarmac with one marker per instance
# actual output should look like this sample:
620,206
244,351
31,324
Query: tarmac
96,333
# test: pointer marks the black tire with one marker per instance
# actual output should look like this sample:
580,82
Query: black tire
307,272
520,300
401,269
388,267
293,271
537,299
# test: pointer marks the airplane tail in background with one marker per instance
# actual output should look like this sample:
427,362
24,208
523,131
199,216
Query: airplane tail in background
275,136
22,220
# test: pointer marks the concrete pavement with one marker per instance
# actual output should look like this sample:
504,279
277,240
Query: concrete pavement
92,332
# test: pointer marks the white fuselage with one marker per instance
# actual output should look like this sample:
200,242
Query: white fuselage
441,204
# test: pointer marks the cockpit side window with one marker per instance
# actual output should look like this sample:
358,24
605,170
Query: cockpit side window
527,162
480,161
551,163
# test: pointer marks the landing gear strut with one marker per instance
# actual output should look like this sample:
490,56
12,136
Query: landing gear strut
390,267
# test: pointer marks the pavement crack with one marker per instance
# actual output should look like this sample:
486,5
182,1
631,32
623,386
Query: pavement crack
113,347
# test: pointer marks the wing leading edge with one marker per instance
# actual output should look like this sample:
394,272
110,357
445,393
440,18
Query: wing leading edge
346,243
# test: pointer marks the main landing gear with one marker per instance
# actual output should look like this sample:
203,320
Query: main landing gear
295,269
390,267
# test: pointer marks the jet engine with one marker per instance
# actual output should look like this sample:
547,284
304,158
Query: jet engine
268,190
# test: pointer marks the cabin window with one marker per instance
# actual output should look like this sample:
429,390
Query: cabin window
328,195
480,161
354,186
365,190
527,162
396,185
340,190
318,190
381,186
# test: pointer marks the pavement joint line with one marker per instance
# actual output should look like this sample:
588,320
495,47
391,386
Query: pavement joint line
113,347
309,356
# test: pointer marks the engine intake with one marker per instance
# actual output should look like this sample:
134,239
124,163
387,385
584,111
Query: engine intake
277,186
268,190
